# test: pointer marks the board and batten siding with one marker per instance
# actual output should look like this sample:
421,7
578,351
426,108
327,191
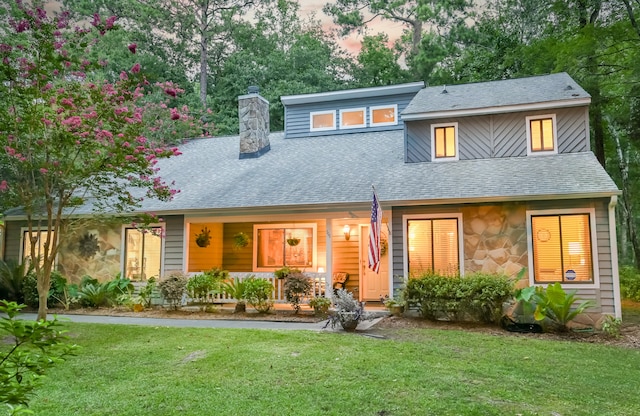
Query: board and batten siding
603,296
173,243
297,117
498,135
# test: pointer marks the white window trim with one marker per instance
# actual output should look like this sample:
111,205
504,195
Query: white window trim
594,246
38,230
405,234
433,142
317,113
363,110
555,135
123,247
382,107
314,232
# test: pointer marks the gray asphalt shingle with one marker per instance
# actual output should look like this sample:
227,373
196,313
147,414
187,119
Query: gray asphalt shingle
340,169
482,96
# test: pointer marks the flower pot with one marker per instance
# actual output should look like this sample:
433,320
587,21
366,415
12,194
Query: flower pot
349,321
396,310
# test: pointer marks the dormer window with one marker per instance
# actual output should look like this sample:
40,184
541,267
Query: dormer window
385,115
541,135
444,141
352,118
323,120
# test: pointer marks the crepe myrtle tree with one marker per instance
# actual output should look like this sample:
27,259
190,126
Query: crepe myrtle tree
67,141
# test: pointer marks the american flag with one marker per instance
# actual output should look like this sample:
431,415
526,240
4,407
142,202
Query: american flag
374,234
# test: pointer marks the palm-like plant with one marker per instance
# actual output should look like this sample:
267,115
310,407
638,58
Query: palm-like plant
236,288
556,305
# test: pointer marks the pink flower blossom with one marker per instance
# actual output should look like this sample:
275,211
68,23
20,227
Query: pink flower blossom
132,48
4,186
123,76
174,114
170,91
43,171
136,68
110,21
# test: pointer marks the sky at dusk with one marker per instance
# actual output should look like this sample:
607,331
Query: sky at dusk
311,7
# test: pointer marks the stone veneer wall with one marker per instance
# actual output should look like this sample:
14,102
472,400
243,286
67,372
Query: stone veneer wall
253,111
495,238
104,265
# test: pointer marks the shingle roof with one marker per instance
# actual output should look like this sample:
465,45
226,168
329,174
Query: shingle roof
494,96
340,169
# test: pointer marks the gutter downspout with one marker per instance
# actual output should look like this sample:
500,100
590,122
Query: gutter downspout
613,242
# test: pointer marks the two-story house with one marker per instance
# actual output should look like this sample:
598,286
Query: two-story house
491,177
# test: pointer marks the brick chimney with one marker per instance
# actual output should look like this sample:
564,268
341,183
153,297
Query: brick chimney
253,111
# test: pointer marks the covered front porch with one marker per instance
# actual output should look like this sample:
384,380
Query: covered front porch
321,247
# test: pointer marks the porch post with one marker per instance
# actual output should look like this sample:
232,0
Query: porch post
390,252
329,258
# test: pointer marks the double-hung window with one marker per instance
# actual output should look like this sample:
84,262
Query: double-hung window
444,141
279,245
433,244
562,246
142,253
40,237
541,134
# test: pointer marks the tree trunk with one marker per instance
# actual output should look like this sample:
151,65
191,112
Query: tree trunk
626,201
44,282
203,55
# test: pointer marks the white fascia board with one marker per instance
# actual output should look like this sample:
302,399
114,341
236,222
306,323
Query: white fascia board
496,110
353,93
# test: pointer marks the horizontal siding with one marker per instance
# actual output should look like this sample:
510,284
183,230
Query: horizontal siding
233,259
297,116
13,240
174,243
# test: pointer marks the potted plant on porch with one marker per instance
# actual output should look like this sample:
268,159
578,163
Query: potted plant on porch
348,311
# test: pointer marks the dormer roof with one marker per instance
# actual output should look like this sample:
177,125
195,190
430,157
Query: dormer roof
351,94
511,95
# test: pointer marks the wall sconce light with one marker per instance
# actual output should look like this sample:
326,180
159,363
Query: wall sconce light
347,232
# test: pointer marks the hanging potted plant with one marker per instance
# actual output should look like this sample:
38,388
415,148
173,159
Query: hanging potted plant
203,238
240,241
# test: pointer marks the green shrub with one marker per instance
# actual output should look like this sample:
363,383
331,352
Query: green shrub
630,283
33,348
284,272
296,287
146,292
173,288
553,304
12,280
202,284
258,293
30,290
478,297
94,295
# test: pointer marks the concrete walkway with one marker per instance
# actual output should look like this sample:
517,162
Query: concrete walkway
186,323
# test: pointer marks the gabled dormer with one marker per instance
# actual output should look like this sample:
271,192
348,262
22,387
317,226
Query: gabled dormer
348,111
532,116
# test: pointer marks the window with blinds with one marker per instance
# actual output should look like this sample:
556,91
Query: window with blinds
562,248
433,246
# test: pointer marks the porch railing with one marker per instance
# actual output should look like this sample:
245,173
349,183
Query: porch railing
318,286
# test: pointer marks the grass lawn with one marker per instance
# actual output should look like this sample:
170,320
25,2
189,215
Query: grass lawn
136,370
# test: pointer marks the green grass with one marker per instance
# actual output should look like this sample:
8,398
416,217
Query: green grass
134,370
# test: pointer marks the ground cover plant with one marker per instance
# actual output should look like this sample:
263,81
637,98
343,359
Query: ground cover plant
140,370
